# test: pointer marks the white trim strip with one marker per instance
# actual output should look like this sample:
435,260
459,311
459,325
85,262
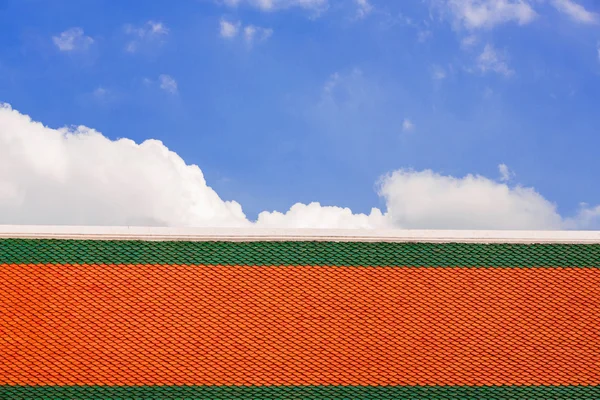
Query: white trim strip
261,234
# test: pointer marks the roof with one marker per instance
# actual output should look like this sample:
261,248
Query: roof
223,314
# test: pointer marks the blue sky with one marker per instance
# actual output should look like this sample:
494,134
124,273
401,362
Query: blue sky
300,101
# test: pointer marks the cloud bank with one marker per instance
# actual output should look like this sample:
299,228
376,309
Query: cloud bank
77,176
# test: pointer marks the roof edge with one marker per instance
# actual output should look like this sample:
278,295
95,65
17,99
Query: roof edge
266,234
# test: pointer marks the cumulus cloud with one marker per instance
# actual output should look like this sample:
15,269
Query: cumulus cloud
149,34
72,39
424,199
493,60
575,11
486,14
314,215
78,176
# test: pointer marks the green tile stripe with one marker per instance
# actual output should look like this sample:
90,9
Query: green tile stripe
300,392
34,251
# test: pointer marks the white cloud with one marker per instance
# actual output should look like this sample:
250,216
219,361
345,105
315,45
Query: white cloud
407,125
104,96
505,173
364,8
429,200
492,60
77,176
229,29
575,11
586,218
424,35
273,5
72,39
100,92
478,14
331,83
253,33
314,215
348,90
149,34
438,73
167,83
468,41
164,82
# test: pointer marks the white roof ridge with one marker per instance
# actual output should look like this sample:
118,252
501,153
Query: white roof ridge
269,234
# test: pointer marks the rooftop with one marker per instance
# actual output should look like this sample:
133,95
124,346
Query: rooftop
262,234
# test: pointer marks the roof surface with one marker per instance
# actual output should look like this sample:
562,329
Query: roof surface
154,313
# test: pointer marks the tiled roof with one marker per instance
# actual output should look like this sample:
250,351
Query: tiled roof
305,253
303,319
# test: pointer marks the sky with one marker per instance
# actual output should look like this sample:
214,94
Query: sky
428,114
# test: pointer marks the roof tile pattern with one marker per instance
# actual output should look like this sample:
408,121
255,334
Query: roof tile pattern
224,320
23,251
303,392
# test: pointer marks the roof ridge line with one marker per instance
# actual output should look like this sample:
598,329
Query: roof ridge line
270,234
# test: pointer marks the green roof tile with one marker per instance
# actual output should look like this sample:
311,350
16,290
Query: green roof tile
265,253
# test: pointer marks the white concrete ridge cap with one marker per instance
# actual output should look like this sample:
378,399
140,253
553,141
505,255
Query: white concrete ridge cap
261,234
